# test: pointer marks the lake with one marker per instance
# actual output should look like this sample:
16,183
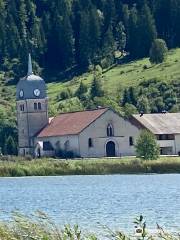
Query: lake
94,201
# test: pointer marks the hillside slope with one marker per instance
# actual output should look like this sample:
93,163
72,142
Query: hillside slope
114,82
119,78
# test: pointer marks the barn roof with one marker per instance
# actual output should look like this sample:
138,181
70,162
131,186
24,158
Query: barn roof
71,123
168,123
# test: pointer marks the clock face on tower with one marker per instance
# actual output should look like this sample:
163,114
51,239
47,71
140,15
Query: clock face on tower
21,93
37,92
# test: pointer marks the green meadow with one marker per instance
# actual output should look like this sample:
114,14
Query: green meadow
114,82
120,77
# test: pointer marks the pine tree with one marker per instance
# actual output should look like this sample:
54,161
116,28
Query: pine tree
146,31
143,105
109,14
10,147
126,97
132,96
120,36
83,51
60,41
96,87
132,38
36,37
81,90
163,14
94,34
108,43
2,30
12,37
22,27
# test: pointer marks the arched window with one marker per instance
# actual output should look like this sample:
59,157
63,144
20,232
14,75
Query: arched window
39,106
110,130
35,106
90,142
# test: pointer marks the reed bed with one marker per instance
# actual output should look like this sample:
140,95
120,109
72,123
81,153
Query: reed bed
40,227
19,167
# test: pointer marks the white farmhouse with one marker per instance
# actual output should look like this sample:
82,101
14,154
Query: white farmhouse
166,128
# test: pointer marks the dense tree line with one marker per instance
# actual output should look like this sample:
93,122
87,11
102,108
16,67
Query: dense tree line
64,34
151,96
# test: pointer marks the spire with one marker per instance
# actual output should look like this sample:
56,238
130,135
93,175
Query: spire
30,71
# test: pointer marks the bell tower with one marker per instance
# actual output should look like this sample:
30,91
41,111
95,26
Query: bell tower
32,109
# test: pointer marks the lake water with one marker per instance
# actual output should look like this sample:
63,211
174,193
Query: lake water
94,201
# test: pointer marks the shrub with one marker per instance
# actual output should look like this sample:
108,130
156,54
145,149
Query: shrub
65,94
145,67
66,154
129,110
147,147
158,51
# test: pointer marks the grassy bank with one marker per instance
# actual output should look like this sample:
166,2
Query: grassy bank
40,227
16,167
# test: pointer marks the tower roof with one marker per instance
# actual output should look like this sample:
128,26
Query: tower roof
30,75
27,85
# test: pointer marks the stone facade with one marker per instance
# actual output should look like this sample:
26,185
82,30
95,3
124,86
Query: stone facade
122,132
94,139
32,110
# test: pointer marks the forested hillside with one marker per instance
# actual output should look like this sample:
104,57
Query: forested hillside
72,34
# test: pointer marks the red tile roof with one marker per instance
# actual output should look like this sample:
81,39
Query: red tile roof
71,123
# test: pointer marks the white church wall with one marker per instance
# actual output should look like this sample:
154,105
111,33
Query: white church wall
98,132
177,143
59,143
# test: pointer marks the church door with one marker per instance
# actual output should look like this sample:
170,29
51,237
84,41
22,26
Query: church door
110,149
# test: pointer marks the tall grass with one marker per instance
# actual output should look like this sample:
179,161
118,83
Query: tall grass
18,167
40,227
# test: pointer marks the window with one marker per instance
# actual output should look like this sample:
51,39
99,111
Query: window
67,145
165,137
35,106
39,106
90,142
131,141
47,146
22,108
110,131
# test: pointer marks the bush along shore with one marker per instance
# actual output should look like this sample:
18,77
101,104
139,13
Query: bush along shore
19,167
40,226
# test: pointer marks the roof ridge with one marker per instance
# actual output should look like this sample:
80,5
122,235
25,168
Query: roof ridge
87,110
72,124
163,114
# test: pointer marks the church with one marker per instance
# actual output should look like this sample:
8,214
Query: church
87,134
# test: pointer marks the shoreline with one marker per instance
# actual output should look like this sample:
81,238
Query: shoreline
19,167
